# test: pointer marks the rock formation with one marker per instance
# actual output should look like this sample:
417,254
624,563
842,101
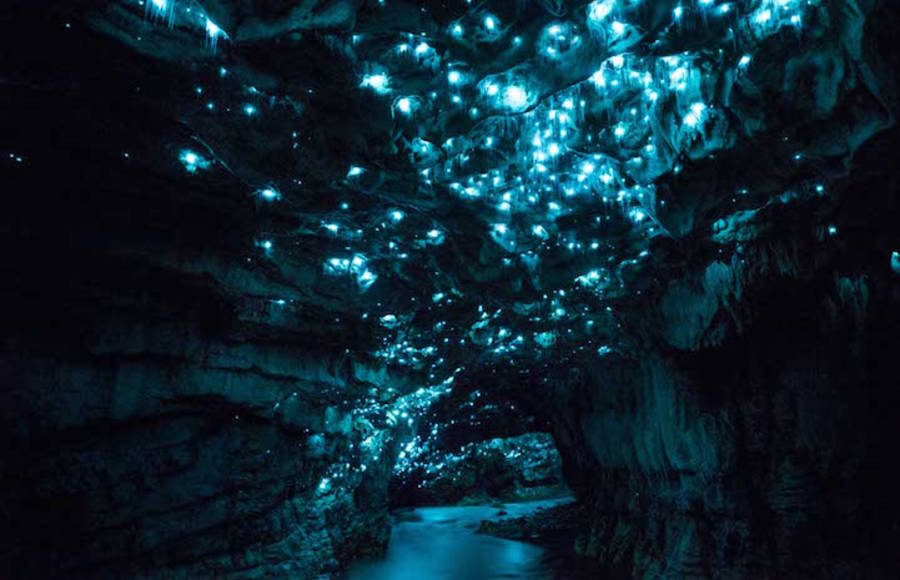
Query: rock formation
260,256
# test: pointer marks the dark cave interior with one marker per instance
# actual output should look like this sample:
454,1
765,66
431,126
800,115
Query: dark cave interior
279,275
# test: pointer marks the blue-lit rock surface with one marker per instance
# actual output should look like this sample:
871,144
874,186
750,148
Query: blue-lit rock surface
260,258
514,468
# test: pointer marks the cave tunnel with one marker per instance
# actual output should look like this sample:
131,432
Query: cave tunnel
459,289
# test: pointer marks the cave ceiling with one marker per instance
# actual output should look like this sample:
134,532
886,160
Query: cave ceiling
504,187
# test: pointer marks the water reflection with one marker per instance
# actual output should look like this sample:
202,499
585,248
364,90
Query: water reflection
440,543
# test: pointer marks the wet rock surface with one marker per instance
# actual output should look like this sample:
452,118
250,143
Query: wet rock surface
556,524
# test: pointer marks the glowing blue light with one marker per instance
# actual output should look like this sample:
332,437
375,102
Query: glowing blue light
744,61
366,278
269,194
515,97
695,116
249,110
213,32
435,237
422,48
355,171
600,9
677,12
404,105
339,263
454,77
212,28
678,78
160,9
159,6
763,16
490,22
618,28
192,161
397,216
379,82
456,30
333,228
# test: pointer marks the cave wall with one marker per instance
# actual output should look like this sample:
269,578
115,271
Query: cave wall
755,439
176,400
745,428
161,421
167,407
161,452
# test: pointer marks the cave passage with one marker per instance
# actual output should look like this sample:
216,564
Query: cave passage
449,289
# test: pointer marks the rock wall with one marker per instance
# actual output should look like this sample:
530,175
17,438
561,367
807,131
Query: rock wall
159,422
170,404
754,439
741,425
216,462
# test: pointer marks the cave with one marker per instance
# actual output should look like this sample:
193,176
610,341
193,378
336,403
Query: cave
450,289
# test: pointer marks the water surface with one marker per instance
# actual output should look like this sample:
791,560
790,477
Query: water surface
440,543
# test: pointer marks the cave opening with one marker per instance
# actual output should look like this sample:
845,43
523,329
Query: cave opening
478,491
449,289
